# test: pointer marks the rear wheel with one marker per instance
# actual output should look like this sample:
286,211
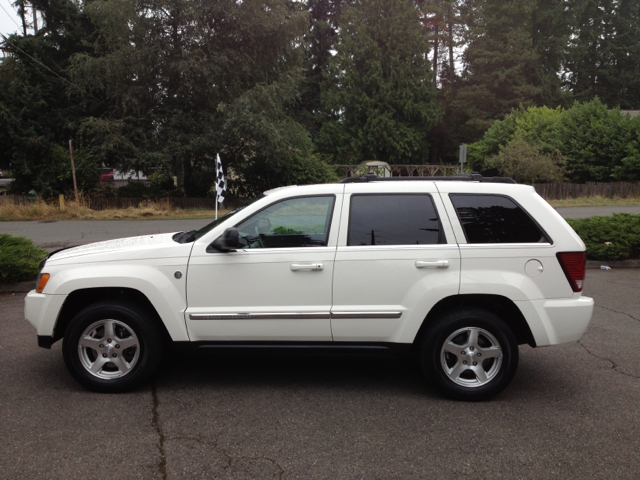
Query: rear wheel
471,354
112,347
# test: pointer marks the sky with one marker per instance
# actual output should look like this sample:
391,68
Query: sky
8,18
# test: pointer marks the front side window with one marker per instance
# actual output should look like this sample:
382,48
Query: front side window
294,222
495,219
393,219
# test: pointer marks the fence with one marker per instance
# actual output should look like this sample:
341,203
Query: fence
560,191
549,191
344,171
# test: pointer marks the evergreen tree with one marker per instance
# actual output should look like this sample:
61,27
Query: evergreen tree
38,104
319,43
604,54
379,94
499,63
186,80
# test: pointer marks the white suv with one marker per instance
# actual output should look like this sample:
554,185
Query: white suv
460,270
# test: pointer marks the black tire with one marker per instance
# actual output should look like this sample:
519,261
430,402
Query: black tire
111,365
457,369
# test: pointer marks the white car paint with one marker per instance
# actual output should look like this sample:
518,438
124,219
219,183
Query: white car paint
381,287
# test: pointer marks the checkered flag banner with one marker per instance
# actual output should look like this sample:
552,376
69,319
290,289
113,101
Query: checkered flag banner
221,182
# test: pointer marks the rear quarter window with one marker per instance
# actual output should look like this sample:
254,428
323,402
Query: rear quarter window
496,219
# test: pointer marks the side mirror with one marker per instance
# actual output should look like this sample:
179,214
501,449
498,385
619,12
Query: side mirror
227,242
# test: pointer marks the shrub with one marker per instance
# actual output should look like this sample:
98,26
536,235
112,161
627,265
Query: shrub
134,189
526,163
162,182
609,238
596,143
19,259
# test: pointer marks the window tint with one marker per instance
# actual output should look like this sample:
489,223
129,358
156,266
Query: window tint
295,222
495,219
393,220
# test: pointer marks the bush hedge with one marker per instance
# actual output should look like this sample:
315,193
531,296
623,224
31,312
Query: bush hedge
609,238
19,259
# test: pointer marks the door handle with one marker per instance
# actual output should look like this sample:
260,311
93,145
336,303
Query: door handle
315,267
436,264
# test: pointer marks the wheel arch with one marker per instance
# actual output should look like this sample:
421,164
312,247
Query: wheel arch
499,305
79,299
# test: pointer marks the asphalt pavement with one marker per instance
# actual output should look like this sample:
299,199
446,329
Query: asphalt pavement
65,233
572,411
585,212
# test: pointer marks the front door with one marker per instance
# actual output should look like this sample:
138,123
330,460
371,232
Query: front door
278,285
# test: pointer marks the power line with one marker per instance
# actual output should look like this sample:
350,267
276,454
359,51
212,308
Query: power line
10,16
40,63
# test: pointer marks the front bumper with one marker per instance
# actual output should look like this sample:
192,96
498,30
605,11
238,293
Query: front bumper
41,311
559,320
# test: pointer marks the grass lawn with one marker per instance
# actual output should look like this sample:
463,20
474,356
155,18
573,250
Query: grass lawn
149,210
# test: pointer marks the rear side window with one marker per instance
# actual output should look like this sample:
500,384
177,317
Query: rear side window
393,220
495,219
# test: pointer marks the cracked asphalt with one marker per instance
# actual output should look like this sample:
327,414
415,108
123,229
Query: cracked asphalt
572,411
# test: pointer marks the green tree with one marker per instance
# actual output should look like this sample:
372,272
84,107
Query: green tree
379,97
320,40
499,63
603,57
38,105
185,80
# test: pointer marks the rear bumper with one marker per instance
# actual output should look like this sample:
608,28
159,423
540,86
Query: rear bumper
558,321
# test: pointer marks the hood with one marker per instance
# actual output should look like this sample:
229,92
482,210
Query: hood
147,246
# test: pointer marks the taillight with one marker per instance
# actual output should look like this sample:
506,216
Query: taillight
574,265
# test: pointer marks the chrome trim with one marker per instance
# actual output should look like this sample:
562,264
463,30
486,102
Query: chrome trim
345,315
259,316
432,264
293,315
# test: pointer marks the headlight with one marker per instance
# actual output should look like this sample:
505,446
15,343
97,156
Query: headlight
42,280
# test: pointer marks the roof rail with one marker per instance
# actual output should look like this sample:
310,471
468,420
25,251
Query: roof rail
472,177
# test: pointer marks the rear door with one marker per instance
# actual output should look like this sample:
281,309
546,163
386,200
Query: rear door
396,258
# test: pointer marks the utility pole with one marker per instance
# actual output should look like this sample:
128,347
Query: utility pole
73,171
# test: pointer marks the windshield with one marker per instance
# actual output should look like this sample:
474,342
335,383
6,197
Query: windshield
207,228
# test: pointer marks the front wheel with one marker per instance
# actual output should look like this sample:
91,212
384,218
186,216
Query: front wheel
112,347
471,354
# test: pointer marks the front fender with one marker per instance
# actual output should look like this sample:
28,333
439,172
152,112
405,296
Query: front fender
157,282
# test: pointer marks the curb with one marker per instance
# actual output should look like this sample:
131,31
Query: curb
20,287
613,263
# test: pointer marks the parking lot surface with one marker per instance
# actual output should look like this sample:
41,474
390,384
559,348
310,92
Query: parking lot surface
572,411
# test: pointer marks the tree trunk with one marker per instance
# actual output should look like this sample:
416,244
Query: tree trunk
452,71
435,54
24,22
35,18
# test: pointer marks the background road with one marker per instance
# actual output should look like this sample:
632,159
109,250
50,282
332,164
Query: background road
571,412
59,234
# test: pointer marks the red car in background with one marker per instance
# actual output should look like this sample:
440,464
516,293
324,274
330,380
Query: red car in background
107,176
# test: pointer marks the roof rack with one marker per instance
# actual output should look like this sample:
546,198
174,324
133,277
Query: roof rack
472,177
